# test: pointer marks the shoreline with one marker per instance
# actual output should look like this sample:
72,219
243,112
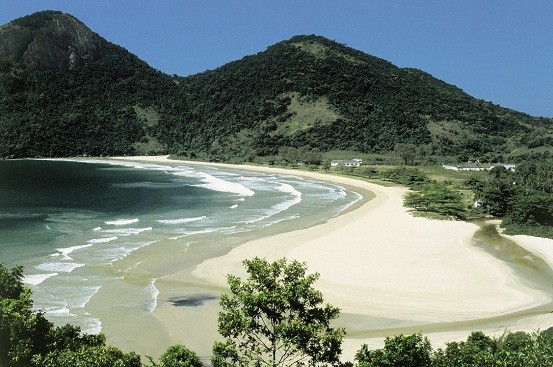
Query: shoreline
385,269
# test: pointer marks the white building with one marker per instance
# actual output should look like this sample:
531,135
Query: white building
346,162
478,166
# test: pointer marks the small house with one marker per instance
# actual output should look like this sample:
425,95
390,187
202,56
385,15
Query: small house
346,162
478,166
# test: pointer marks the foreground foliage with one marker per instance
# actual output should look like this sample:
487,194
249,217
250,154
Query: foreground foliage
517,349
27,339
179,356
276,318
399,351
523,198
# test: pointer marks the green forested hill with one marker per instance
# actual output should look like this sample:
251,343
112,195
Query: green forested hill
64,90
92,111
88,96
313,91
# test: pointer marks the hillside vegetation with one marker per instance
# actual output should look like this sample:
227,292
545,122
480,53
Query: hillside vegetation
55,108
89,96
356,102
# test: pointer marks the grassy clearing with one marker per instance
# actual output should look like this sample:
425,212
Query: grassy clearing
306,113
438,173
148,116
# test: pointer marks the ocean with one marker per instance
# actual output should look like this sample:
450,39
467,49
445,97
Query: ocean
89,227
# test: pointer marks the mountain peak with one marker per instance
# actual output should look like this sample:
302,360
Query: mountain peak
48,40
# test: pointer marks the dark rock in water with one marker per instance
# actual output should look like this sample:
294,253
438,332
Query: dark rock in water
48,40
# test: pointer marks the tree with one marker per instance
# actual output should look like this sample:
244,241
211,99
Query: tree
407,152
28,339
89,356
23,332
399,351
497,192
179,356
436,198
410,177
276,318
533,210
527,174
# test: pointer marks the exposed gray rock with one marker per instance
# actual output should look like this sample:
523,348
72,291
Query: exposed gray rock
49,41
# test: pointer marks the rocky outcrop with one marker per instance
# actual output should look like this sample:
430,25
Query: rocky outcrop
48,40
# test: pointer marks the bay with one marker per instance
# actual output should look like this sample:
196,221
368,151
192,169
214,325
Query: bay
84,226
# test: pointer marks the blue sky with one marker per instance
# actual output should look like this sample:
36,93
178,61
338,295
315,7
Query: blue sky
496,50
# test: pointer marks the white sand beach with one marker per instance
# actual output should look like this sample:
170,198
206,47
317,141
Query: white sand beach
385,269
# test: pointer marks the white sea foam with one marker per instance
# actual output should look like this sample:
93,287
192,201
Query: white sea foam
295,216
257,178
67,250
344,207
92,326
122,222
136,165
273,195
121,252
118,253
288,203
102,240
180,221
59,267
284,205
60,312
211,182
154,292
36,279
210,230
284,187
327,192
86,294
126,231
217,184
136,264
116,163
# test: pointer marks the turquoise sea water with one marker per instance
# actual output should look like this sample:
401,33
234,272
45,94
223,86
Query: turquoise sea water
77,225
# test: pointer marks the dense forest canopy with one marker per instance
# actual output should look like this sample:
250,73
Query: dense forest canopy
91,97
